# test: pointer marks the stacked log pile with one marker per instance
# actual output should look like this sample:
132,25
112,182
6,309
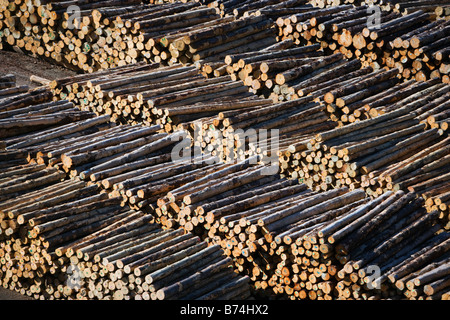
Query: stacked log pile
428,281
179,207
288,238
171,166
314,79
379,246
356,99
51,32
415,43
425,174
35,128
263,130
173,96
136,164
279,211
355,155
439,7
86,147
28,133
274,8
418,48
97,35
140,27
28,261
124,160
277,76
232,213
260,70
174,35
66,240
374,94
345,100
266,75
120,160
141,261
106,34
143,172
225,36
74,90
272,184
94,148
320,25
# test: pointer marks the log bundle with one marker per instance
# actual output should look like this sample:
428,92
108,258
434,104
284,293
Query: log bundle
139,28
263,130
320,25
425,174
184,33
416,43
107,34
136,164
50,30
121,160
260,70
31,127
144,262
279,210
355,155
355,96
62,239
90,149
181,205
224,36
118,158
351,100
379,246
248,8
172,96
69,239
439,7
418,48
245,216
377,92
145,172
101,35
288,238
28,257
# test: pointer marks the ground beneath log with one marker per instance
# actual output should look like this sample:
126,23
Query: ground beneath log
24,66
11,295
